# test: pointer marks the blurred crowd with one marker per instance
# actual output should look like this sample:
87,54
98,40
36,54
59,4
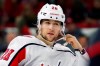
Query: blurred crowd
19,17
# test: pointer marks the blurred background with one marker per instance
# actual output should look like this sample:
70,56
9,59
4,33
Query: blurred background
19,17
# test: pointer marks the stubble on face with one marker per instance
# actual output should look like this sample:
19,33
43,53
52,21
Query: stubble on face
49,38
50,30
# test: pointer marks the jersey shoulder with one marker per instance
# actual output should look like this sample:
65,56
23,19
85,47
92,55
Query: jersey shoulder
15,49
21,41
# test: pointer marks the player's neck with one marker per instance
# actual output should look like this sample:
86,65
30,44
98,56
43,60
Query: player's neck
45,41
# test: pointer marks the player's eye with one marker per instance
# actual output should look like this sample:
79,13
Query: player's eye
56,24
47,22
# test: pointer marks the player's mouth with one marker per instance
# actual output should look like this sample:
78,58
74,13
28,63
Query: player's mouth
50,33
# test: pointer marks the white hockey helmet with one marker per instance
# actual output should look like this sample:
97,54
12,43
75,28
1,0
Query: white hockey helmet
51,11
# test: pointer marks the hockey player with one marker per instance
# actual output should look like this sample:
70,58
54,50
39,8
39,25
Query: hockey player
46,49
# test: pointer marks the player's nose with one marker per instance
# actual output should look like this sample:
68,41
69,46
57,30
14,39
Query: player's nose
51,27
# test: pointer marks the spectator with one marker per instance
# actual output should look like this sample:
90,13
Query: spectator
72,28
89,22
84,40
94,54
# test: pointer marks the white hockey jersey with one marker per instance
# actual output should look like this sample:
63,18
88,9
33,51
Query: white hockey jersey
30,51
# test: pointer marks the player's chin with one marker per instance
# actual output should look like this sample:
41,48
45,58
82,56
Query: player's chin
50,39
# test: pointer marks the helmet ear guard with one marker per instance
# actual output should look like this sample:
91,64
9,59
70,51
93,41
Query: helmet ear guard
63,30
51,11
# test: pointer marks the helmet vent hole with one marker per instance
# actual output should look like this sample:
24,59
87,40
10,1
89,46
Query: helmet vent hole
62,16
51,17
56,18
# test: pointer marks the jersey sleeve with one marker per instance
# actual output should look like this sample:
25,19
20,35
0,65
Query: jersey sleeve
14,54
82,59
18,58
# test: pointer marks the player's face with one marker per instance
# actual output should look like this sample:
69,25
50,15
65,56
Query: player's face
50,29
